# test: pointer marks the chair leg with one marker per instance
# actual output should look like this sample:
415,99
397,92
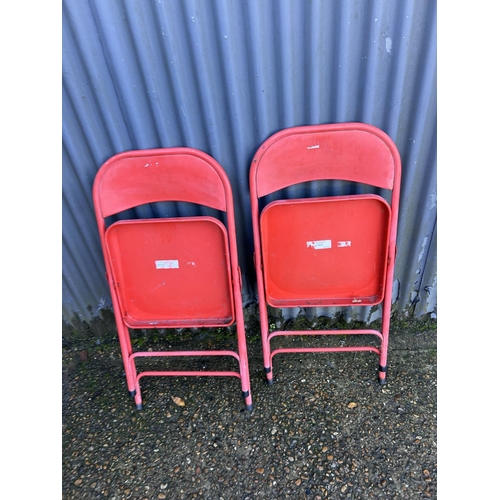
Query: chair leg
266,346
382,374
382,369
126,352
248,400
245,379
243,356
138,398
269,375
386,318
264,325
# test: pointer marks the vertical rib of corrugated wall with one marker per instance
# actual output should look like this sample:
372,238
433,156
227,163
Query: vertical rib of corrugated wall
222,76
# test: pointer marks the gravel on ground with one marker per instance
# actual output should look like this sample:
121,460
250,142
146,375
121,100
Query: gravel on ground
325,429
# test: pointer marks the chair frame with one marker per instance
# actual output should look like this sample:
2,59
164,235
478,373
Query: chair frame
174,174
278,164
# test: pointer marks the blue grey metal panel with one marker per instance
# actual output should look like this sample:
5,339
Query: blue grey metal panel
222,76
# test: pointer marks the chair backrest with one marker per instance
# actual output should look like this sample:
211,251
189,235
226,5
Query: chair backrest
135,178
354,152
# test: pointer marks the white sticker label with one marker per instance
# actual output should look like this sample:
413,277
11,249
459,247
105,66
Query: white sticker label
167,264
320,244
341,244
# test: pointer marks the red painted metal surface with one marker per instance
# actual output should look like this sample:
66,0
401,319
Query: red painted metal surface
165,262
334,251
170,272
325,251
150,176
356,152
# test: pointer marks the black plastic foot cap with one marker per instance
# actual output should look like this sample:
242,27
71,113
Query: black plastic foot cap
249,407
139,407
270,381
132,393
382,381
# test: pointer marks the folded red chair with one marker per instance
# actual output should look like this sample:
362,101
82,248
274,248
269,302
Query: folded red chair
326,251
179,272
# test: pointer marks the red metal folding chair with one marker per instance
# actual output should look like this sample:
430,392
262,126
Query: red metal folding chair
328,251
179,272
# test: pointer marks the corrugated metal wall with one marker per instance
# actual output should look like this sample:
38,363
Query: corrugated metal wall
222,76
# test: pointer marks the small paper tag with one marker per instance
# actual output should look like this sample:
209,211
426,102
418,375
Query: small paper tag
167,264
341,244
320,244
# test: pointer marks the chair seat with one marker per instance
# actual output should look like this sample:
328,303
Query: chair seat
172,273
329,251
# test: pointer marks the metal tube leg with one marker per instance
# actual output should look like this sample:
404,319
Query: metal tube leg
266,347
138,397
248,400
381,374
126,351
386,315
382,369
242,347
244,369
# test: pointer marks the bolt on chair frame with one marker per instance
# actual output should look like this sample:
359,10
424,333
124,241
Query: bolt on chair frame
179,272
315,242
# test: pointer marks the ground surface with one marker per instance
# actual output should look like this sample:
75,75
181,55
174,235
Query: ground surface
325,429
